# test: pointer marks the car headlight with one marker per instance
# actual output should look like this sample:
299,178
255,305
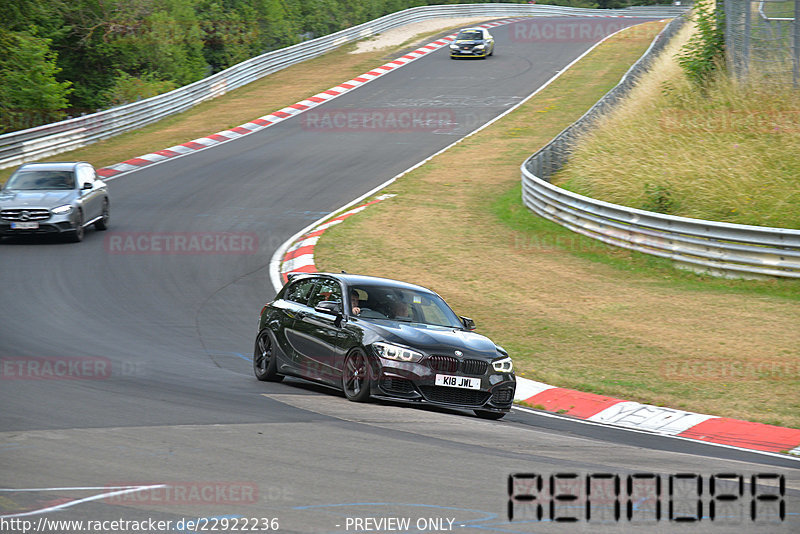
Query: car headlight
453,47
61,210
394,352
480,46
504,365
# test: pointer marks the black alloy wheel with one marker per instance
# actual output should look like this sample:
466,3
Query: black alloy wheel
264,365
355,376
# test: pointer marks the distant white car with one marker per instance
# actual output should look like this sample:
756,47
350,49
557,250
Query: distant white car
54,198
472,42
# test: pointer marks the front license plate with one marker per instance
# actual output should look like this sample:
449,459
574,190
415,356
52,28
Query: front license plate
458,382
24,225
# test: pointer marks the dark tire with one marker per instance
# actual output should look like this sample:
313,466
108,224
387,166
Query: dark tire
102,224
76,236
356,376
492,416
264,364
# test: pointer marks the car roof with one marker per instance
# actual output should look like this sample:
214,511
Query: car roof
53,165
472,30
360,279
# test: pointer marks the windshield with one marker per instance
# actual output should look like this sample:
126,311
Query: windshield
471,35
33,180
401,304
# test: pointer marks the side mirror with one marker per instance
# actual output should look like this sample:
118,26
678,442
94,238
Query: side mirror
88,185
329,307
468,323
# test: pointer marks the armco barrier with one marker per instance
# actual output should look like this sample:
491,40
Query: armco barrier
50,139
732,250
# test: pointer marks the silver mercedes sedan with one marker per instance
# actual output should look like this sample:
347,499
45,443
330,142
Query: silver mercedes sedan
54,198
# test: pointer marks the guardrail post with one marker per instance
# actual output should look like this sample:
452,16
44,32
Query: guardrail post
796,44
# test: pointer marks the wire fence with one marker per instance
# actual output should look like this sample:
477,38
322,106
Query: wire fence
762,38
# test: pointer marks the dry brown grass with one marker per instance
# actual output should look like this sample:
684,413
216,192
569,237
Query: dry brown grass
566,320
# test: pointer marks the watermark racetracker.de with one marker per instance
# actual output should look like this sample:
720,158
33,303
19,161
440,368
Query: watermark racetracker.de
181,243
390,119
187,493
730,371
730,121
574,30
67,368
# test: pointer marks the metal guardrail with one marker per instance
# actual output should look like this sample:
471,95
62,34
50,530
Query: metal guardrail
732,250
50,139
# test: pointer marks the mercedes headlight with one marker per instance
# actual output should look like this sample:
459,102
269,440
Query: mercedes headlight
453,47
62,210
397,353
503,366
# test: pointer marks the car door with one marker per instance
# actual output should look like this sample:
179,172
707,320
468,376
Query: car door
315,335
91,199
294,302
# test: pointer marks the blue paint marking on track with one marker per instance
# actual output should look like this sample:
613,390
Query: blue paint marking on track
226,353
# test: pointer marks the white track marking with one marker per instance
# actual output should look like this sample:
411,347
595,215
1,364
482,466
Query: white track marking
125,490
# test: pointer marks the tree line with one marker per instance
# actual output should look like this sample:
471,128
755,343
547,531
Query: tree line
66,57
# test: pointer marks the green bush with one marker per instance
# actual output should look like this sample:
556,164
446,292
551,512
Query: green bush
705,51
129,88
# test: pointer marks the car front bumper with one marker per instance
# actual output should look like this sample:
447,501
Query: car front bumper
417,382
467,53
55,224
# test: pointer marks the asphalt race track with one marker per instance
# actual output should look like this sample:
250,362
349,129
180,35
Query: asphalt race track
161,417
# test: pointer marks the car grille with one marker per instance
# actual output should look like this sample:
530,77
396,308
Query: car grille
443,364
448,395
16,214
449,364
397,385
502,396
474,367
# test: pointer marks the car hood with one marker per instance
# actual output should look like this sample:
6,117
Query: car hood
433,340
37,199
470,41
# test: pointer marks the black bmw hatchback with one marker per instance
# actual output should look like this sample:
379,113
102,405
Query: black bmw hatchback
374,337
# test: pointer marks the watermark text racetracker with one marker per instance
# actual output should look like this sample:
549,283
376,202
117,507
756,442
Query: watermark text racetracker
735,371
397,120
573,31
731,121
66,368
193,493
181,243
